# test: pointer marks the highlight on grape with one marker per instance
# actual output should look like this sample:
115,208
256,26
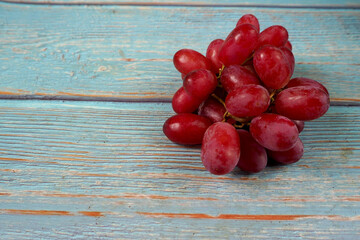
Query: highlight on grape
240,101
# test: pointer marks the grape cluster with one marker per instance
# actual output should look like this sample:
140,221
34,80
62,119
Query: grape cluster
240,102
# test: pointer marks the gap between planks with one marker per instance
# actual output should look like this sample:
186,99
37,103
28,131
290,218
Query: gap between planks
83,98
183,4
333,102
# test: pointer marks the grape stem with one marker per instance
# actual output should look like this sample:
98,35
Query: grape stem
252,55
221,70
218,76
224,116
219,99
272,94
239,125
241,120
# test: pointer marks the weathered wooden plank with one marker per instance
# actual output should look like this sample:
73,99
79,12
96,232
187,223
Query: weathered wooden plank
173,228
232,3
91,169
125,52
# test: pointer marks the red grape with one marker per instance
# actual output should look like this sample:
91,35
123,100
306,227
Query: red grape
288,45
302,103
301,81
183,102
253,157
212,53
186,128
187,60
290,57
239,45
235,76
274,132
300,125
220,151
289,156
251,19
275,35
200,83
247,101
212,109
272,66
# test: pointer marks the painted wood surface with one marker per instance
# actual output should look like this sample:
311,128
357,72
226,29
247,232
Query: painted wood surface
125,52
105,170
102,169
232,3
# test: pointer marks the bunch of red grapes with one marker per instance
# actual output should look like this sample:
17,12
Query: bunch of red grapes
240,102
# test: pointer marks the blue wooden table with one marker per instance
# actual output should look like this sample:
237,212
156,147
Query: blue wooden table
85,86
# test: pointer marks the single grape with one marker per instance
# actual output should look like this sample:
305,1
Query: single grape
274,132
253,157
247,101
275,35
183,102
272,66
212,53
239,45
288,45
212,109
290,57
187,60
292,155
301,81
302,103
250,19
200,83
235,76
220,151
186,128
300,125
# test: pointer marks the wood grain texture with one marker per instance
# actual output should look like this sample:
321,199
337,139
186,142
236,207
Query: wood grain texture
125,52
232,3
105,170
